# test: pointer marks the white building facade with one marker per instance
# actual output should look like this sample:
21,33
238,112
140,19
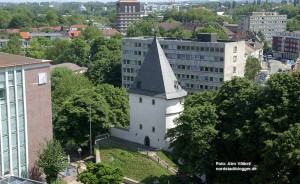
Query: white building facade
155,100
198,65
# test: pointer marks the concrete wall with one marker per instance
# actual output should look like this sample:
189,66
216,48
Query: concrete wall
38,110
229,61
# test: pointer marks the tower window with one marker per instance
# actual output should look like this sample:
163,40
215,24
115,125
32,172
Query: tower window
153,102
141,100
153,129
138,84
141,127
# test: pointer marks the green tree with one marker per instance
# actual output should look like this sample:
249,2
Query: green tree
19,21
117,99
100,173
213,28
5,18
57,74
281,158
106,61
193,139
13,46
58,51
143,28
73,120
52,17
90,33
35,50
78,52
252,68
52,159
178,32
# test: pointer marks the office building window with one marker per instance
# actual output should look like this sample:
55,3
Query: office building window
234,69
234,59
235,49
133,9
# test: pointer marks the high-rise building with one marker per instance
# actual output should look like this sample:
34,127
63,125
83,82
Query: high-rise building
25,111
128,11
286,45
201,64
267,23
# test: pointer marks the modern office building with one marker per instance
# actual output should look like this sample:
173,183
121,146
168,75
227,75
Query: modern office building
286,45
128,11
267,23
25,111
202,64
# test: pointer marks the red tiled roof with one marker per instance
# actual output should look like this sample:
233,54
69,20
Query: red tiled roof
10,31
25,35
74,33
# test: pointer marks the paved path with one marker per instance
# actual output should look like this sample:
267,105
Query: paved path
156,158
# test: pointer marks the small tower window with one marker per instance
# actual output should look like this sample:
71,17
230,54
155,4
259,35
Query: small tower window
138,84
141,127
141,100
153,102
153,129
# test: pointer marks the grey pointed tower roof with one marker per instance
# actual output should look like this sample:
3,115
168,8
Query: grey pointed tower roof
156,77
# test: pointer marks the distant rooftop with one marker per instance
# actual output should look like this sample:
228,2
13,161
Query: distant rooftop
10,60
17,180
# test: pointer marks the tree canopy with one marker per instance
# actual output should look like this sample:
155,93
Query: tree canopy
252,68
100,173
52,159
246,123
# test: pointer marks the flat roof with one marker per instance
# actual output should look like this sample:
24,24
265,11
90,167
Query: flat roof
11,60
177,39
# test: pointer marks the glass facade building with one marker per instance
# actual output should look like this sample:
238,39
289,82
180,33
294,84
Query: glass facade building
13,136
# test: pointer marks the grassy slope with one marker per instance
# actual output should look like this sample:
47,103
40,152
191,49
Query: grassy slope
166,158
137,166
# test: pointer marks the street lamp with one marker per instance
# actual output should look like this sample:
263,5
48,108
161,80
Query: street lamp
79,152
91,146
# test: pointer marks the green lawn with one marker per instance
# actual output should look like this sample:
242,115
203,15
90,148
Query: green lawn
167,159
137,166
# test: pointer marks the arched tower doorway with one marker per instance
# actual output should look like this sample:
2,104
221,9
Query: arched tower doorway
147,141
